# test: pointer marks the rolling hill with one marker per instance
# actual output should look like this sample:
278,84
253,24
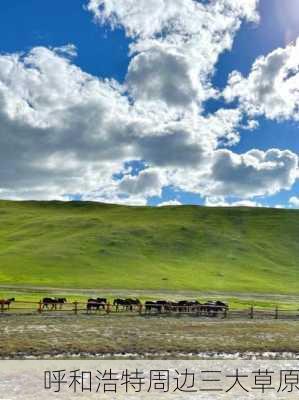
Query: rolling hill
83,244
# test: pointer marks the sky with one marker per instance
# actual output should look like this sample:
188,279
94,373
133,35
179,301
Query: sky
150,102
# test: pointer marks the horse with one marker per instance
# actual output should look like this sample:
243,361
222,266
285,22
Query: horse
53,301
96,303
222,307
158,306
127,304
149,306
165,305
187,305
133,303
212,308
6,302
119,302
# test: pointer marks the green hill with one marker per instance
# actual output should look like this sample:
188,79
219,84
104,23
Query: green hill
90,245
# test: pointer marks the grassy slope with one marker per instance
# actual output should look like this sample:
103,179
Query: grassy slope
94,245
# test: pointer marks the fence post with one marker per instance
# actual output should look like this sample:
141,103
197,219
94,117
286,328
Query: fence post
225,313
75,307
140,307
251,312
40,303
276,312
108,308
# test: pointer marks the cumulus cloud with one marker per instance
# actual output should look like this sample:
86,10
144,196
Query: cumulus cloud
170,203
254,173
147,183
220,201
65,132
271,88
58,129
147,18
160,75
176,43
294,202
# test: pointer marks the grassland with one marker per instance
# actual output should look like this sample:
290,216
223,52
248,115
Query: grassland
90,245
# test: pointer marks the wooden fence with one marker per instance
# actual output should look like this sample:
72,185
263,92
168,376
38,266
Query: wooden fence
80,308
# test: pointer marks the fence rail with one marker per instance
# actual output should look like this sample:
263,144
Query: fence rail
77,308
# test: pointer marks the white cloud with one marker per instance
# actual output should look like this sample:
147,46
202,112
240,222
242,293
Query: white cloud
272,86
161,75
176,43
147,183
59,125
221,202
280,206
63,131
148,18
170,203
294,202
254,173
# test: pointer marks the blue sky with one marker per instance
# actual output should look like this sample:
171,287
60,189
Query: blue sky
25,25
134,170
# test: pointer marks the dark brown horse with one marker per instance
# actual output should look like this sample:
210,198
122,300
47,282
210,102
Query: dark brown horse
6,302
187,305
158,306
97,304
126,304
52,302
213,308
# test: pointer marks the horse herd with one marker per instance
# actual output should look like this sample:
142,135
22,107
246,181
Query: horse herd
209,308
99,303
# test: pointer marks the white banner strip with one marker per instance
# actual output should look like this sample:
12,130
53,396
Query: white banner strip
103,379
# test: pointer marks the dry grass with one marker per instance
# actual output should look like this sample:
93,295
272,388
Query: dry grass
67,335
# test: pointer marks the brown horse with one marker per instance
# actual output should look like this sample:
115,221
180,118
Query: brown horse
97,304
213,308
126,304
6,302
52,302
